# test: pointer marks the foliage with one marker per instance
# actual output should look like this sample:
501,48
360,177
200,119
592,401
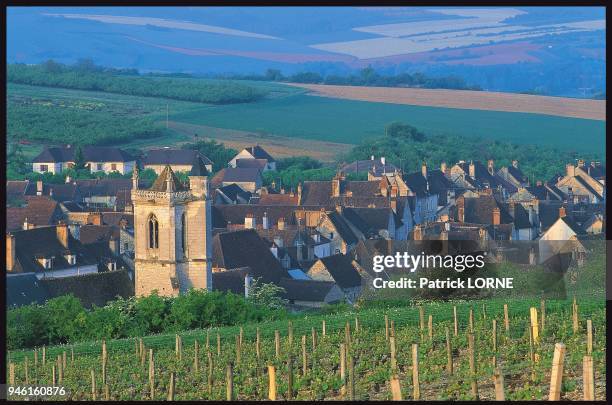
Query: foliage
217,152
367,77
86,76
267,295
64,320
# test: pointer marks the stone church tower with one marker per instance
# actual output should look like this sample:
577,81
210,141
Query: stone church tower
172,233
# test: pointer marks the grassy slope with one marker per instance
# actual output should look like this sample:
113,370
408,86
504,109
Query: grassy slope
302,324
289,112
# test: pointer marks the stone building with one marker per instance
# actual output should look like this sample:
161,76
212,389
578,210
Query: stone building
173,234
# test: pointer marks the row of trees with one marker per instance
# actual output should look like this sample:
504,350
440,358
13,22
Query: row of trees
64,320
368,77
91,77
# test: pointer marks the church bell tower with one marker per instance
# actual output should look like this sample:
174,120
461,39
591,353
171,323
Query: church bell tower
172,233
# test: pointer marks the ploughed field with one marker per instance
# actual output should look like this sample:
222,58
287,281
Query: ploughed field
305,359
474,100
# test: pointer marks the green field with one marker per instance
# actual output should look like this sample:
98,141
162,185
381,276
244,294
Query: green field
288,111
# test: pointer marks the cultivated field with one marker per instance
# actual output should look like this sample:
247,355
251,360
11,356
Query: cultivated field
442,350
278,146
473,100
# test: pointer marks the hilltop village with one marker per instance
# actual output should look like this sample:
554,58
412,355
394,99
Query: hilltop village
103,238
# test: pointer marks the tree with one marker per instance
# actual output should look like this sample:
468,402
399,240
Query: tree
267,294
405,131
79,159
274,75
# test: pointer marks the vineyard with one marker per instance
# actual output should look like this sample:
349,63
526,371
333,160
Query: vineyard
514,349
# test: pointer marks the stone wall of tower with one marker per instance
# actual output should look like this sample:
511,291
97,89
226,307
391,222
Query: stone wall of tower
155,275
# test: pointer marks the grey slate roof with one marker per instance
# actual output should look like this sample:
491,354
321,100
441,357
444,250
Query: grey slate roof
169,156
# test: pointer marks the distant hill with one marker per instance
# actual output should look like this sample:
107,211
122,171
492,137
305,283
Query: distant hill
549,51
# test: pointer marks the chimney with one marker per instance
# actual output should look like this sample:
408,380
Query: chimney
339,209
394,190
570,170
424,169
95,218
472,170
382,160
264,222
62,233
515,164
496,216
562,212
68,179
511,208
417,233
249,221
443,167
336,186
248,280
281,224
491,167
113,245
299,193
39,187
26,225
461,209
10,252
372,157
282,190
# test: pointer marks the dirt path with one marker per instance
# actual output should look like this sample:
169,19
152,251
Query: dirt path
476,100
277,146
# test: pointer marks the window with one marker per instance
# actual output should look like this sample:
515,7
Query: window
153,228
44,168
113,167
184,234
100,166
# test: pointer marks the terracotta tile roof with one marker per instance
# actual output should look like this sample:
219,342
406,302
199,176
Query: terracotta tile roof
278,199
39,211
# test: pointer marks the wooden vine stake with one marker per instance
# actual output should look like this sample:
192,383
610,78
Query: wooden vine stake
53,375
229,382
396,389
575,316
533,312
151,374
542,314
589,337
506,318
449,353
290,333
290,377
494,335
104,359
351,365
64,360
588,378
471,321
323,331
71,355
498,380
387,328
196,356
171,387
106,392
238,354
93,385
12,374
356,325
416,388
271,383
26,371
393,354
258,344
304,358
277,343
207,340
421,321
472,351
343,368
556,375
218,344
44,355
242,335
60,370
430,327
210,372
456,324
314,338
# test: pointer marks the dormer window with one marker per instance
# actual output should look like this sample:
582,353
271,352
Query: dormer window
46,262
70,258
112,266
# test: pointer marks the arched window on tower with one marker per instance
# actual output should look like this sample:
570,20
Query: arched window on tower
184,234
153,227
